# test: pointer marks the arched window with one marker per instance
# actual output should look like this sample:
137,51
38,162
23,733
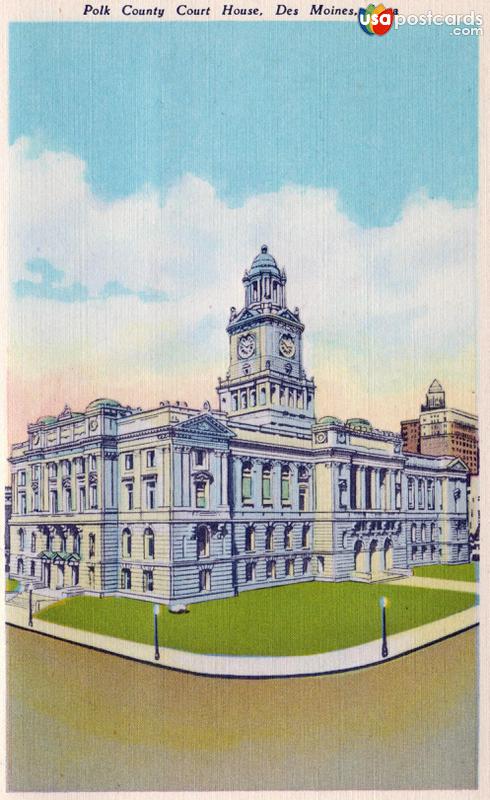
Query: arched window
262,395
149,543
423,531
269,538
203,541
125,578
66,468
285,486
33,569
91,545
413,533
250,572
247,483
270,569
306,566
22,539
288,538
20,566
266,485
421,493
250,538
430,495
126,543
33,542
53,470
147,580
290,567
320,565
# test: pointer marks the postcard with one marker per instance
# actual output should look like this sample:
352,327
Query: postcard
242,480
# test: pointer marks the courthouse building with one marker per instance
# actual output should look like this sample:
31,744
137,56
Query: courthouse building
181,504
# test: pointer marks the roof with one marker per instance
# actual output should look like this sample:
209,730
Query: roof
358,422
328,420
435,387
101,402
264,260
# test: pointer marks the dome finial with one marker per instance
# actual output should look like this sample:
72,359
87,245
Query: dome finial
264,248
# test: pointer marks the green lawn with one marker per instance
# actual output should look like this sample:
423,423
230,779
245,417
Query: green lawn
450,572
287,620
11,584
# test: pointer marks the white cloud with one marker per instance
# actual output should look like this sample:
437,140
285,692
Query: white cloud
386,309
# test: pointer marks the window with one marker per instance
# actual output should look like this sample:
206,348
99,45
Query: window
91,545
20,566
269,539
150,458
270,569
35,472
126,543
149,543
33,542
306,566
432,532
22,478
66,468
305,536
130,495
76,543
33,569
93,495
150,494
411,493
249,572
199,458
262,395
250,538
93,463
266,485
128,461
288,539
203,541
290,567
247,483
52,470
205,580
68,499
303,498
421,493
82,498
22,503
62,542
35,500
413,533
125,578
320,562
201,494
53,501
91,577
148,580
285,486
430,495
423,530
80,465
22,539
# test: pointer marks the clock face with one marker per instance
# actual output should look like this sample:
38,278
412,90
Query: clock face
287,347
246,345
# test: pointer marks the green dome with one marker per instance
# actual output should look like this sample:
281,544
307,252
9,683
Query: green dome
264,260
358,422
101,402
329,421
47,419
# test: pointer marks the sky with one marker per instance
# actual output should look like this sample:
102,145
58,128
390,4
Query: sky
149,163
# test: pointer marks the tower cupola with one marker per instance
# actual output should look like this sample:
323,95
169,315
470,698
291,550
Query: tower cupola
265,283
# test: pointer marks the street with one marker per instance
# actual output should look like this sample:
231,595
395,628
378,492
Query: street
80,720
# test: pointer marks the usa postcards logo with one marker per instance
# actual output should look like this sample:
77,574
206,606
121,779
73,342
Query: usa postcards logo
376,20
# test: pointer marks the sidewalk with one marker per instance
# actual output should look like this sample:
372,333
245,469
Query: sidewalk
257,666
439,583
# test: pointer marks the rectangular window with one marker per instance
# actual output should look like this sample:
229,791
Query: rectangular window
129,461
150,458
285,485
200,494
411,495
35,501
199,458
82,498
91,545
53,501
68,500
93,496
93,463
22,478
129,489
303,493
266,487
150,494
430,495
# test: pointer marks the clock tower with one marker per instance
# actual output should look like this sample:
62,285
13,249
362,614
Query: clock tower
265,383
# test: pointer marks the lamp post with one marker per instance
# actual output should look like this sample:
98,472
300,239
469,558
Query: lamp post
383,602
156,609
29,589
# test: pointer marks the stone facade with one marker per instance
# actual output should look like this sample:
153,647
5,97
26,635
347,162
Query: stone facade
183,505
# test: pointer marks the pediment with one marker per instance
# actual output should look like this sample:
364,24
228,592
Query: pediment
204,425
457,465
287,314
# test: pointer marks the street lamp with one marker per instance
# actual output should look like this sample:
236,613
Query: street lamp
383,602
156,609
29,589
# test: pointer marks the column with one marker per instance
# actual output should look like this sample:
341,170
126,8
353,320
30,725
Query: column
392,475
293,487
257,483
374,487
177,476
362,487
237,482
276,485
186,478
167,486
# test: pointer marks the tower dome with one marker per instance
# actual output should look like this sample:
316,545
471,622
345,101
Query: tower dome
264,260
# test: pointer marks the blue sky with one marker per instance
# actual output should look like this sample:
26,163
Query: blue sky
150,161
251,107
